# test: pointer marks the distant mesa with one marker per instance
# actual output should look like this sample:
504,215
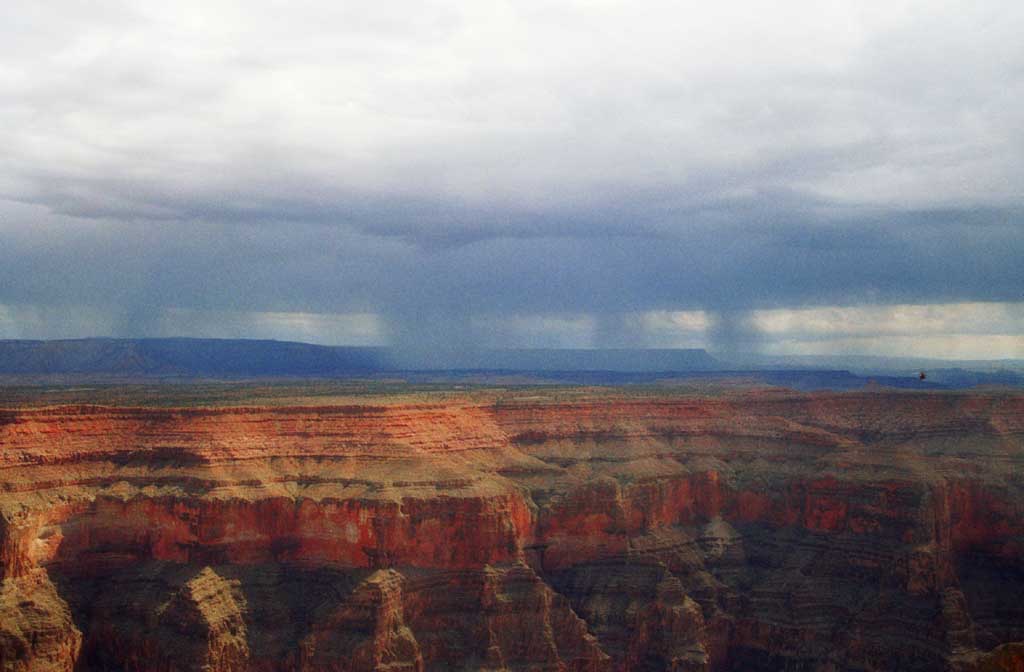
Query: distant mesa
125,359
205,357
184,357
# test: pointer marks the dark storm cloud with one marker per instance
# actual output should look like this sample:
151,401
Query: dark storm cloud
435,162
304,266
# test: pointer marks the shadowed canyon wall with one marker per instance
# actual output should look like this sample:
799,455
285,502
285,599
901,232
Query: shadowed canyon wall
755,531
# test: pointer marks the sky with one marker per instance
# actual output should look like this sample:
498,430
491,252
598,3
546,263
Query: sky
781,177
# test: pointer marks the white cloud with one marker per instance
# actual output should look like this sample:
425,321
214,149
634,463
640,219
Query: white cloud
320,328
525,102
953,331
896,320
946,346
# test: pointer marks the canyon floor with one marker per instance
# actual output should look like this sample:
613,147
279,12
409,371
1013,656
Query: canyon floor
273,528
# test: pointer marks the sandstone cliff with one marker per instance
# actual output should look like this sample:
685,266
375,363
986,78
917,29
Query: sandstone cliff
758,531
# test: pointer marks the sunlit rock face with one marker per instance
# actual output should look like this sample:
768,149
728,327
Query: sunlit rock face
585,531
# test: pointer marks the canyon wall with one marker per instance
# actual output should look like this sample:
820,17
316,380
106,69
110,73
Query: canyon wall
597,531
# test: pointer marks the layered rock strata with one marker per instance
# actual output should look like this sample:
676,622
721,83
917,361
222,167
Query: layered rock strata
602,531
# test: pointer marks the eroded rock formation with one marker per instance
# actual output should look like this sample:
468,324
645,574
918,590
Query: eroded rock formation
756,531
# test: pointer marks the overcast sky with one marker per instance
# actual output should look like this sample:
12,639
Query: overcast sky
777,176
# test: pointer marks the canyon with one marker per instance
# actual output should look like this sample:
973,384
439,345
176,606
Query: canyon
550,529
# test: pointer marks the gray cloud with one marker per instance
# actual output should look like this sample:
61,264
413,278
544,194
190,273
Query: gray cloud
433,162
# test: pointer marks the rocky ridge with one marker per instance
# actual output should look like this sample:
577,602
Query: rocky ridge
755,531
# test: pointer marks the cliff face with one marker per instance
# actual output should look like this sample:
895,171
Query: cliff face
751,532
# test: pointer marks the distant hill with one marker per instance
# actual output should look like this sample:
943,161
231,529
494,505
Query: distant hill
187,357
867,365
621,360
126,359
203,357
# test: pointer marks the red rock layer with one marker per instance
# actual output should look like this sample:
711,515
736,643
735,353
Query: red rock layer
866,531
